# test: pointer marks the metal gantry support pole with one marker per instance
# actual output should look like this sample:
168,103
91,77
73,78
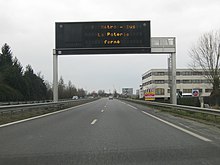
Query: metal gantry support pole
164,45
55,76
169,73
173,78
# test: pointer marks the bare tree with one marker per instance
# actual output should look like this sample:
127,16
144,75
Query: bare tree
205,55
61,88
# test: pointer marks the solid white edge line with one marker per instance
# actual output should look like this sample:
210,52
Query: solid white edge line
41,116
94,121
179,128
184,125
131,106
128,104
122,102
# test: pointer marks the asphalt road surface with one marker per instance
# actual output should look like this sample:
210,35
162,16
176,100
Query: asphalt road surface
108,132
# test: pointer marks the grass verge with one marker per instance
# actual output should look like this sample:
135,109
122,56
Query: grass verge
196,116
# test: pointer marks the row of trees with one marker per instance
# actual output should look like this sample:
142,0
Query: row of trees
69,90
102,93
19,84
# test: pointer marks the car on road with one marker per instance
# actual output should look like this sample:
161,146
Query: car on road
110,97
75,97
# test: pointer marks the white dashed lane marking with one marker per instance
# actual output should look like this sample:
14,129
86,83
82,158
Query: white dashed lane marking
94,121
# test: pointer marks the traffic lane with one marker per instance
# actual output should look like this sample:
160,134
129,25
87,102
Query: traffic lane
51,133
208,130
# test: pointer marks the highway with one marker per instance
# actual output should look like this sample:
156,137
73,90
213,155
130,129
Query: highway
108,132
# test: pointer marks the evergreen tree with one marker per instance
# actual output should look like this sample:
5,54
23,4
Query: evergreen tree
17,84
36,88
5,56
8,73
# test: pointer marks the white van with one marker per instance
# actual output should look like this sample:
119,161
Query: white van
75,97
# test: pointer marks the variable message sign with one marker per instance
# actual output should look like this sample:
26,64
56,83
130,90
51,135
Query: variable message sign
103,37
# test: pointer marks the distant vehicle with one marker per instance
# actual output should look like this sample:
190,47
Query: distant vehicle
110,97
75,97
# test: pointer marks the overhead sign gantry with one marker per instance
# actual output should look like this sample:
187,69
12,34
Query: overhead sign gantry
117,37
103,37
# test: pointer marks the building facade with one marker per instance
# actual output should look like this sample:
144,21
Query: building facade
157,80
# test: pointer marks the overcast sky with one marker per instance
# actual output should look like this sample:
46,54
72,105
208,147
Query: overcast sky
29,28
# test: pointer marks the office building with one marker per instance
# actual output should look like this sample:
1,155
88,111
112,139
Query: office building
157,80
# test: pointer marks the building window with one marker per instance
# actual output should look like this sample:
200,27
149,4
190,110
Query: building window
159,81
200,90
159,91
146,76
159,73
178,81
177,90
186,81
197,81
208,90
197,73
206,81
186,73
187,90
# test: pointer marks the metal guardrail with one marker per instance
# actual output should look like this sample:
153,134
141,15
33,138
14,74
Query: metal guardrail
207,111
21,107
23,102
